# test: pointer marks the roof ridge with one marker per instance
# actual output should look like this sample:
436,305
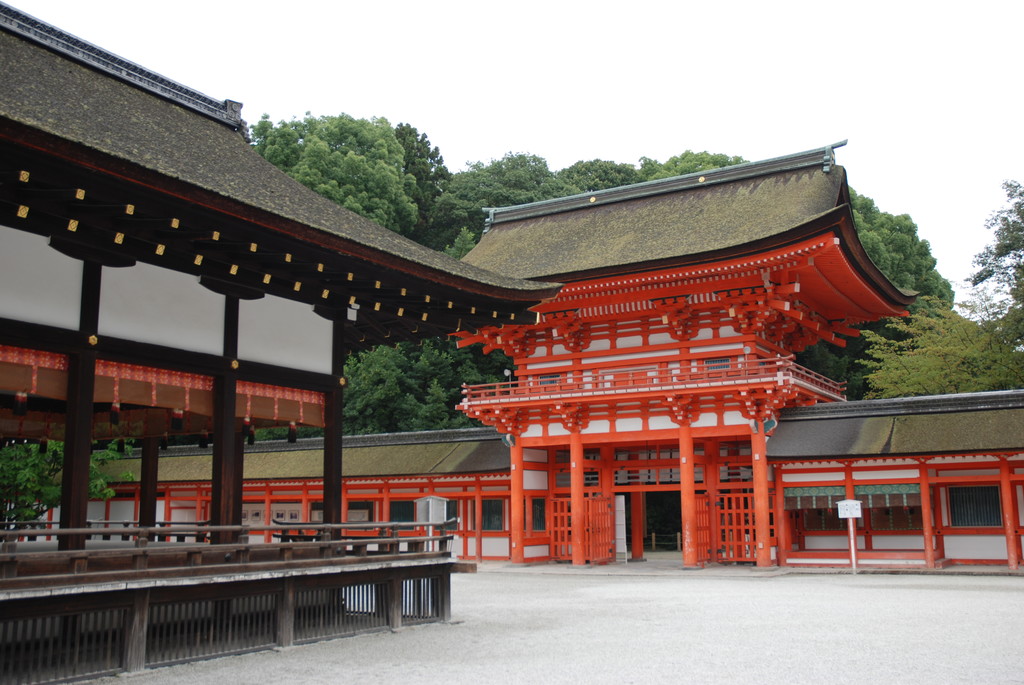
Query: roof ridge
925,404
822,155
225,111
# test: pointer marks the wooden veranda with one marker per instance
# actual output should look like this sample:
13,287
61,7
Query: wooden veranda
142,597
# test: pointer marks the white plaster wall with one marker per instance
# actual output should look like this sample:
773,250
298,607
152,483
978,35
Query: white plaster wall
716,348
660,339
734,418
37,283
896,473
557,429
837,541
809,477
535,455
601,426
277,331
148,304
495,547
657,422
534,430
535,480
897,541
706,420
599,345
535,551
630,424
630,341
975,546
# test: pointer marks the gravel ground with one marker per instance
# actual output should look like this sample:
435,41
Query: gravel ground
644,623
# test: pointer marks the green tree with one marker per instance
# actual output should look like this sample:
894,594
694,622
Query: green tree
426,165
514,179
1002,264
892,243
685,163
463,243
938,351
598,174
357,163
30,478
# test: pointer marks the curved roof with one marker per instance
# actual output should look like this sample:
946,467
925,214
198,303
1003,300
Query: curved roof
101,122
707,215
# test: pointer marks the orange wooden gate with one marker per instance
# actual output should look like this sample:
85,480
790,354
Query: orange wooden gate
736,526
560,526
599,529
704,550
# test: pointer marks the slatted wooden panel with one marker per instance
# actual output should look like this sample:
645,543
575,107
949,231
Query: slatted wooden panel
57,648
335,611
186,630
420,600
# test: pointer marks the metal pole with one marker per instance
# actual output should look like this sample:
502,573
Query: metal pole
852,525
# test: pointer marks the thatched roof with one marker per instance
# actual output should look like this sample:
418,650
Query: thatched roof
700,218
427,453
78,116
946,424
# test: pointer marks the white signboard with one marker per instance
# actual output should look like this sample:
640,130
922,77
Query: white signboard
849,509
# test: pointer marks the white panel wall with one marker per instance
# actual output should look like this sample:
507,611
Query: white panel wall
631,424
975,546
277,331
148,304
535,480
810,477
601,426
37,283
495,547
895,473
535,551
535,455
897,541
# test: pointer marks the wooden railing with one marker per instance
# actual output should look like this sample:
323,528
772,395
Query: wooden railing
167,550
586,383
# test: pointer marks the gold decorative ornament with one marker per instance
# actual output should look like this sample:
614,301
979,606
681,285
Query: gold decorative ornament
93,340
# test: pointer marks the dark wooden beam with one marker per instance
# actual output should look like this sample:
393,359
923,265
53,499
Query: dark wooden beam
148,481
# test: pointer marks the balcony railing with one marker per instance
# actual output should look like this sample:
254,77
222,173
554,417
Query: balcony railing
584,384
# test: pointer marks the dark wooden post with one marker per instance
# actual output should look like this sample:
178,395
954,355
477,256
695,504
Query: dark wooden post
334,416
227,469
395,603
74,498
135,626
148,482
286,614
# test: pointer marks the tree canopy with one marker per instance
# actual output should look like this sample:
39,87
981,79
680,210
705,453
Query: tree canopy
359,164
396,177
1002,263
938,351
30,478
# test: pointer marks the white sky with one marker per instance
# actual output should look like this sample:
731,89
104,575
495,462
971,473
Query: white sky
928,93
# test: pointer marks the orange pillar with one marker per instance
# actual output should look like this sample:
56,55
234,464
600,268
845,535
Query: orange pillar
517,504
927,528
688,495
1007,496
762,508
638,515
576,469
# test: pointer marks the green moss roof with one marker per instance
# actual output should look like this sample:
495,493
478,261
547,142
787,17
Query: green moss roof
430,453
48,92
949,424
681,222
